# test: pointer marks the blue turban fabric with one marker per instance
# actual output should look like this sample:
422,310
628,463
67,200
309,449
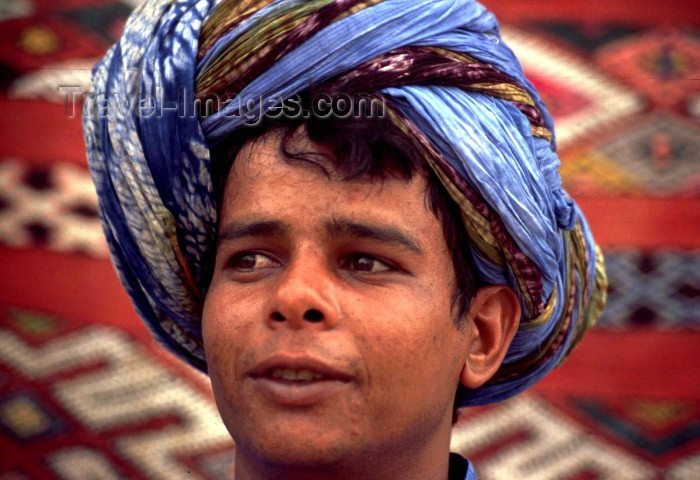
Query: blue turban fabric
490,143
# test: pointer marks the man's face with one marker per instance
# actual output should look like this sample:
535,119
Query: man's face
327,327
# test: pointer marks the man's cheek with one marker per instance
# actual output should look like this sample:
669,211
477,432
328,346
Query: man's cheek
221,362
218,350
221,387
224,318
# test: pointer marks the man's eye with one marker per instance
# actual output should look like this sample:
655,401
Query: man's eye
366,264
246,262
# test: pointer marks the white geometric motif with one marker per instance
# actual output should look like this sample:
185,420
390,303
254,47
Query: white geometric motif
555,447
50,207
15,9
80,463
668,171
44,84
130,387
685,469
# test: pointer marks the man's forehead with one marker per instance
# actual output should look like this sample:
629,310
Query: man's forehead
334,226
268,195
282,145
273,159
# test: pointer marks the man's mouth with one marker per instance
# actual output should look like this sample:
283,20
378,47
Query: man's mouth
301,375
298,380
298,368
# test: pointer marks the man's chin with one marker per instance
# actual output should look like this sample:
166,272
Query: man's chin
320,434
288,451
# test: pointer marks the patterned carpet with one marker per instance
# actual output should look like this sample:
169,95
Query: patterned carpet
85,393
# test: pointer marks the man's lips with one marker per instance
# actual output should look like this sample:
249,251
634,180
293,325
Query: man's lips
298,380
297,368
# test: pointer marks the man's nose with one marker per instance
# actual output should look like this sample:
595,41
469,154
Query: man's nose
304,297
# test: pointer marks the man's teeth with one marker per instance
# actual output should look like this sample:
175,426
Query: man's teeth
302,375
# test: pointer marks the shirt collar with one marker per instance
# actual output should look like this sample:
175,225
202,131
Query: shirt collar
460,468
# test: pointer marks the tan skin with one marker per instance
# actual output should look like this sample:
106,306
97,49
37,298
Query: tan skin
328,328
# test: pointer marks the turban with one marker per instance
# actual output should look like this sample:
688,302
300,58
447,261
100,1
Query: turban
449,82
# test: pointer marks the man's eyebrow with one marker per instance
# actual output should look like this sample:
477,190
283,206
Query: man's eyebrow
265,228
382,233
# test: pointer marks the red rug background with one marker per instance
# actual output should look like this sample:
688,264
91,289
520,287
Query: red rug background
624,85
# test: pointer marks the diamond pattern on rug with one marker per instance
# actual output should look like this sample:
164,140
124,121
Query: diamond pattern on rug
25,418
54,207
656,428
582,99
660,289
656,156
664,64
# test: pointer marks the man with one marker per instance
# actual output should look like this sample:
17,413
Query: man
347,276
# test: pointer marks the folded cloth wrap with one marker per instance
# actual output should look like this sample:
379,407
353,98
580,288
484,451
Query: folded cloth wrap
447,80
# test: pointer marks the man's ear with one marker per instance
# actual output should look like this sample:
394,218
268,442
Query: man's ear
492,320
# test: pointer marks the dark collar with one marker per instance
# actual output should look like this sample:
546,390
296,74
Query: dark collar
460,468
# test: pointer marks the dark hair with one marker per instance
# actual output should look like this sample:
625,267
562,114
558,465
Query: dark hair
365,145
